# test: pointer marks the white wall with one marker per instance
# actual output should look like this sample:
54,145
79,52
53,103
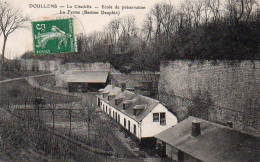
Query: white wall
147,128
26,64
150,128
122,117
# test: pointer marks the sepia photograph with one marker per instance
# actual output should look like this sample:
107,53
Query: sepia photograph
129,81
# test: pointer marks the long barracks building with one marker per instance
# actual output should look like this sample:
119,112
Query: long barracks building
141,116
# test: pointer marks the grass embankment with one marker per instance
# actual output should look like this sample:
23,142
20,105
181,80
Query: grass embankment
19,74
21,140
46,81
79,127
21,92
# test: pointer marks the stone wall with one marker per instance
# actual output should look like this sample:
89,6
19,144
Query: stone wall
218,92
97,66
40,65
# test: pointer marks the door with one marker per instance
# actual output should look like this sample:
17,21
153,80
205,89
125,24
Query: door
163,149
180,156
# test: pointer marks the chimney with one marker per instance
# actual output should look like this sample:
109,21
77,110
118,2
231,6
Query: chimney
127,104
113,83
123,86
111,96
118,101
195,131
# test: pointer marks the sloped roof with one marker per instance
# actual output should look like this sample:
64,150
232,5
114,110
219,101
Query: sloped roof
216,142
88,76
110,89
137,100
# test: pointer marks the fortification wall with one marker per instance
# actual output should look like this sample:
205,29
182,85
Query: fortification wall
221,92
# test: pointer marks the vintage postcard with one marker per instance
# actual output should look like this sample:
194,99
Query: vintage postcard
129,80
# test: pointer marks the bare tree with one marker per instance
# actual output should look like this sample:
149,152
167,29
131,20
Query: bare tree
214,9
11,19
148,27
240,9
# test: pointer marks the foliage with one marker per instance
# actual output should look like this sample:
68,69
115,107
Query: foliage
197,29
11,19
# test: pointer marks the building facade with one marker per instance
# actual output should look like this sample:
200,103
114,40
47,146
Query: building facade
141,116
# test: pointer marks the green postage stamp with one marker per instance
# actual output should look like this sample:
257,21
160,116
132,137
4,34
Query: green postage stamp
53,36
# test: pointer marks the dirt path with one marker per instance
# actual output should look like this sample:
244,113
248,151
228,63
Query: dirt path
9,80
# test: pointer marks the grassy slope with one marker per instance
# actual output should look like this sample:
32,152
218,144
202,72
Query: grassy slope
21,92
18,74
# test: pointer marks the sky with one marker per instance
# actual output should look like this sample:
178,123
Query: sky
21,40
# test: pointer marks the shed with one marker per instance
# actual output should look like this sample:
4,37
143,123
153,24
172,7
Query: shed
85,81
213,142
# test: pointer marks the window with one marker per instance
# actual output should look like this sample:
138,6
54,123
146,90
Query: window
106,109
162,119
134,129
129,125
118,118
124,122
99,104
159,117
113,114
109,111
155,117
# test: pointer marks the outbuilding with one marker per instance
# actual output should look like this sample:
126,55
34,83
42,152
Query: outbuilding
85,81
194,139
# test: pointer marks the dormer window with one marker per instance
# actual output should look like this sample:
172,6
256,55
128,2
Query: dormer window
138,109
105,94
127,104
118,101
101,90
111,96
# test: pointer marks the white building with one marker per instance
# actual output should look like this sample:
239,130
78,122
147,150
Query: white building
141,116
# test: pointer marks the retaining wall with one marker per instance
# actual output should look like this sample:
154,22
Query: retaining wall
229,92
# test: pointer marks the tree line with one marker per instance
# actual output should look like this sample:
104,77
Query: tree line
197,29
